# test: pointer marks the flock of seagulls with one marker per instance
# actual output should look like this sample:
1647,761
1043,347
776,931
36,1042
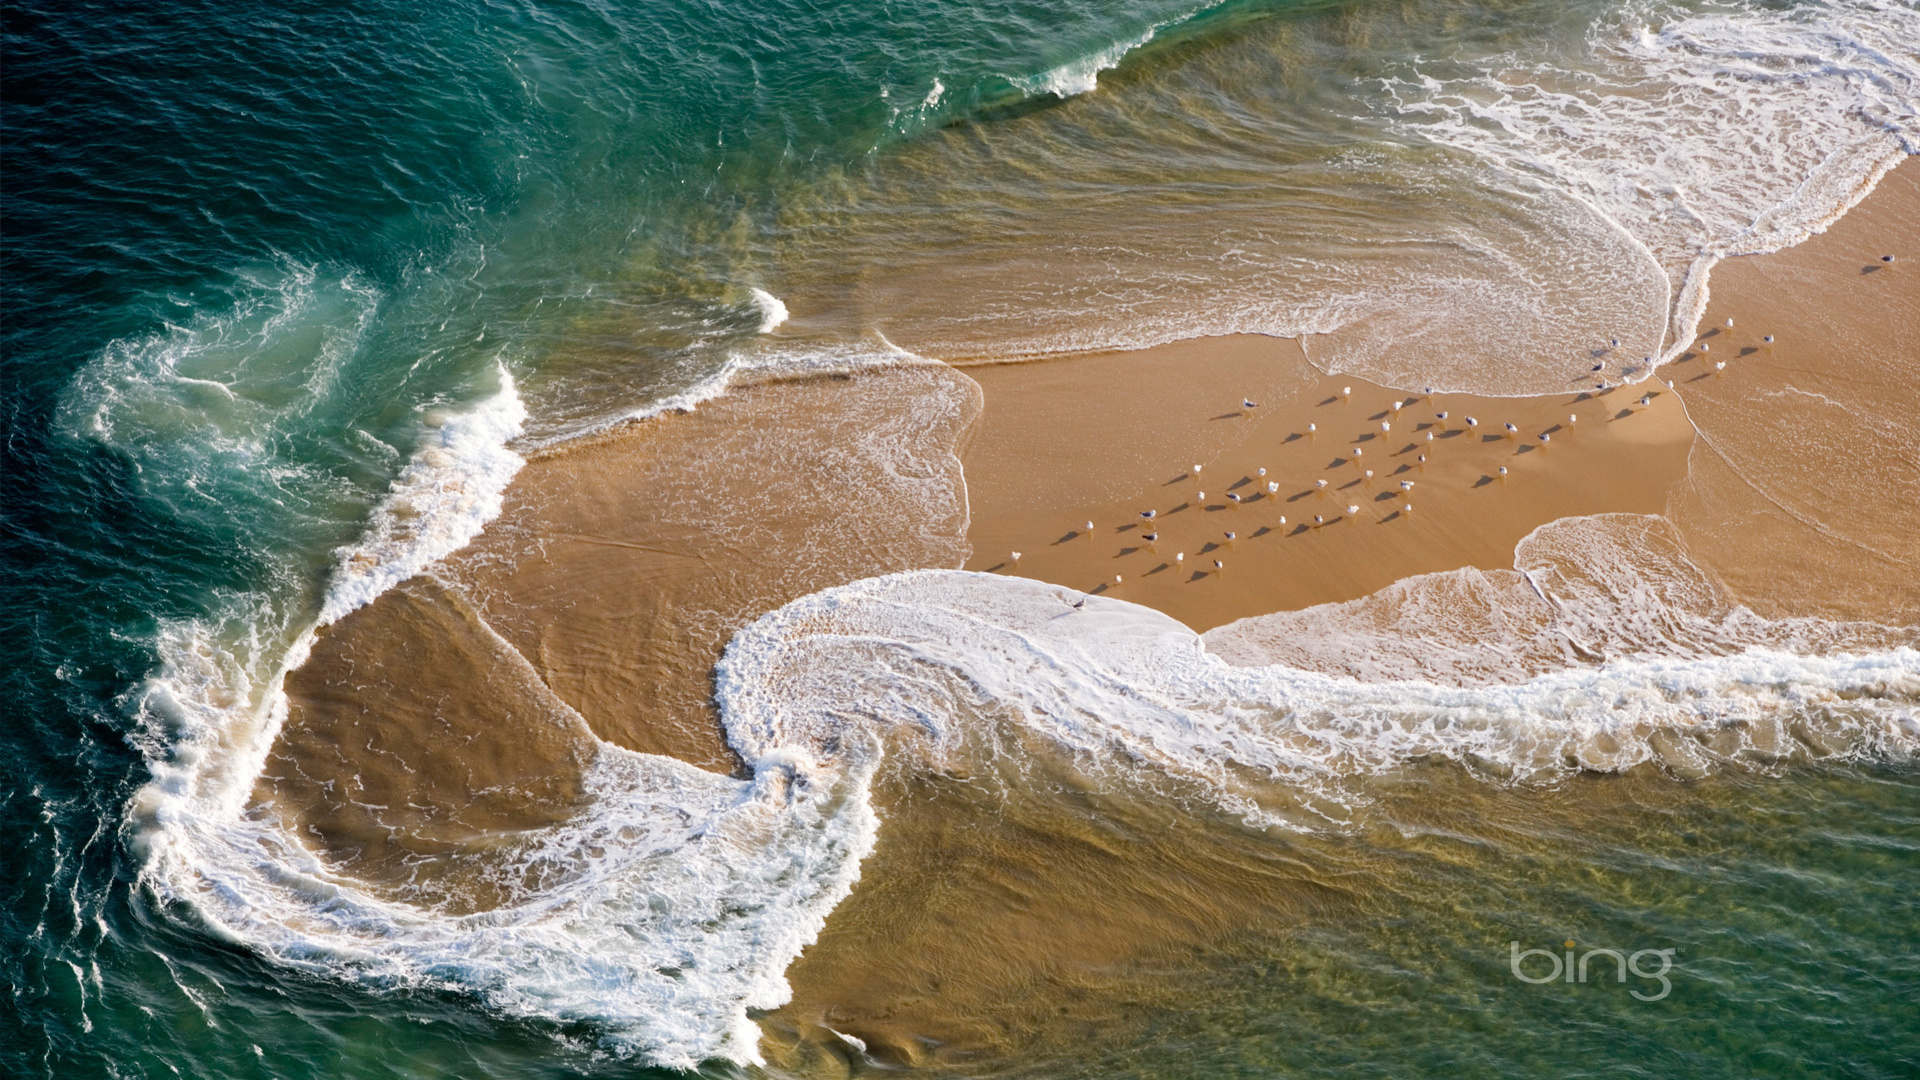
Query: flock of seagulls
1441,422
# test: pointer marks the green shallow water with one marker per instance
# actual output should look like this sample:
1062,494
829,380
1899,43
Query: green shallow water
253,256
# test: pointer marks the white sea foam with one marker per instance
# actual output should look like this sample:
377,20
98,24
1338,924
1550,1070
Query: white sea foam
1703,134
443,498
1082,75
772,311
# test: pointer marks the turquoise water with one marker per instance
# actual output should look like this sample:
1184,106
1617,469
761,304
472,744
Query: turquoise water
258,260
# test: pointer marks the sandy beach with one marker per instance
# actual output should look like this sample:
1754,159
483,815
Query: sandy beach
597,604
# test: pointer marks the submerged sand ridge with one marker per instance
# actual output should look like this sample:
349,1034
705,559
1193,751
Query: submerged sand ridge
462,709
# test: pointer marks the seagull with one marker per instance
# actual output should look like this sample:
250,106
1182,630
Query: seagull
1151,537
1273,487
1357,452
1423,459
1318,520
1705,347
1615,343
1886,258
1016,556
1231,535
1283,520
1199,496
1263,472
1729,322
1768,339
1182,557
1384,426
1353,509
1346,391
1116,579
1248,403
1472,423
1089,526
1645,401
1369,474
1234,496
1511,430
1218,565
1406,485
1080,603
1572,419
1397,405
1196,470
1720,365
1321,484
1442,417
1311,428
1149,514
1429,436
1503,470
1545,437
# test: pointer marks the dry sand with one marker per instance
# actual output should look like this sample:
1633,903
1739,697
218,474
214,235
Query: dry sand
1100,438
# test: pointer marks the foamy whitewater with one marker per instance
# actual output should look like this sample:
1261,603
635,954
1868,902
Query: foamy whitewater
675,903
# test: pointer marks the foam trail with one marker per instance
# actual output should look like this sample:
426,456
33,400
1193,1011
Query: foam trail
1082,76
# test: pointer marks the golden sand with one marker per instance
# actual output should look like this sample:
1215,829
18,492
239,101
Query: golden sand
1047,458
991,915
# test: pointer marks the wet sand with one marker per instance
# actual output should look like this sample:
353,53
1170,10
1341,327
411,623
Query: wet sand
995,916
1803,490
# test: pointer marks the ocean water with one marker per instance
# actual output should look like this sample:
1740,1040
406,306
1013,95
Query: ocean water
293,292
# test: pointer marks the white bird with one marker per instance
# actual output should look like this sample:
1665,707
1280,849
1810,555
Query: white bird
1231,535
1406,485
1615,343
1645,401
1729,322
1321,484
1218,565
1234,496
1705,347
1318,520
1511,430
1263,472
1503,470
1357,452
1545,437
1248,403
1369,474
1311,428
1472,423
1572,419
1719,365
1199,496
1886,258
1283,519
1182,557
1196,470
1353,509
1089,526
1273,487
1346,391
1384,426
1016,556
1149,514
1397,405
1440,416
1768,339
1116,579
1151,537
1423,459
